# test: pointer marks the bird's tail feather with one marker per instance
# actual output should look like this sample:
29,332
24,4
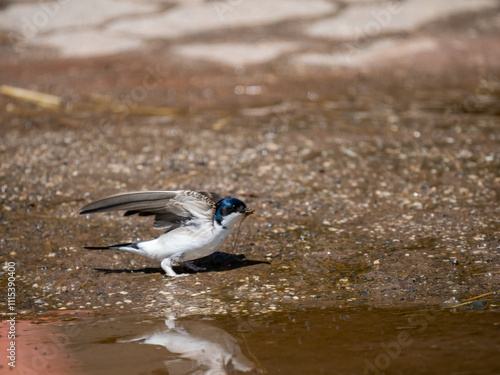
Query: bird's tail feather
130,246
97,247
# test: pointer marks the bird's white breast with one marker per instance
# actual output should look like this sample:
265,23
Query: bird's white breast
187,243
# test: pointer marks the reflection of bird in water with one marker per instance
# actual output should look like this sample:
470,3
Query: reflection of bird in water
198,348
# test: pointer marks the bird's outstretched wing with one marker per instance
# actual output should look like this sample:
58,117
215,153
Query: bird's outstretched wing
170,208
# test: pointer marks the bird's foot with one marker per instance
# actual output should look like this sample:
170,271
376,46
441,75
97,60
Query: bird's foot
177,274
166,264
193,266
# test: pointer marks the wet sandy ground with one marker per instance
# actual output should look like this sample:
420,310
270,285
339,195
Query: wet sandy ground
364,193
373,188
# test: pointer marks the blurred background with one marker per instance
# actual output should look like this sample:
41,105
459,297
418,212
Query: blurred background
365,134
356,128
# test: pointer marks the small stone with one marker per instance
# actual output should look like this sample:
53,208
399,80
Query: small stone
451,302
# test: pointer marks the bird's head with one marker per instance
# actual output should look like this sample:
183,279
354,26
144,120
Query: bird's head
229,211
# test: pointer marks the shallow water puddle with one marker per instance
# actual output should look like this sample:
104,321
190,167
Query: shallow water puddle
304,342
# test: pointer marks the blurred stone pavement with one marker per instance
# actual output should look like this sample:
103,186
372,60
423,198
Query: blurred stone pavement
298,34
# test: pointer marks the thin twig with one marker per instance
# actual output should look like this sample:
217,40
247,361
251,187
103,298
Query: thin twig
43,100
470,300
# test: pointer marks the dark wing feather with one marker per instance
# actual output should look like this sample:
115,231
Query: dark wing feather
168,221
141,201
213,196
170,208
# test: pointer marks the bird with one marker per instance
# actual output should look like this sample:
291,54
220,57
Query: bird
196,223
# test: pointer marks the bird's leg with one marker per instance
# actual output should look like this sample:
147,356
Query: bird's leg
166,264
189,264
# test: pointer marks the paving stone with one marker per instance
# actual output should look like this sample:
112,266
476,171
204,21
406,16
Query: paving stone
31,19
87,43
194,18
371,20
237,53
378,52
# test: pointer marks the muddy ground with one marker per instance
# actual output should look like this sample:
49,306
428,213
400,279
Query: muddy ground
378,187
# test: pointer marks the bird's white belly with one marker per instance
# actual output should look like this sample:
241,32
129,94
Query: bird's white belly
185,244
